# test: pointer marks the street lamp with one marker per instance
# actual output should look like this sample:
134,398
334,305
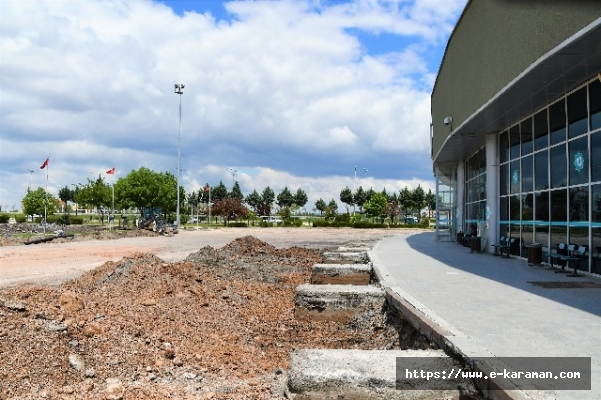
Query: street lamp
179,89
30,177
233,175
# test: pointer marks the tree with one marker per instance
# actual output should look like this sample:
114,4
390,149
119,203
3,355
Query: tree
253,200
419,198
360,197
66,194
218,192
230,209
320,206
236,193
376,206
300,198
143,188
267,199
331,210
430,202
405,200
346,196
392,210
36,201
285,198
96,194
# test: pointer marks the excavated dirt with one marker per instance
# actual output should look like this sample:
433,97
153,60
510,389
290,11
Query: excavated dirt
218,325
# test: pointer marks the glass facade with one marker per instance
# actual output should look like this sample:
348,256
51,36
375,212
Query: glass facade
475,191
550,177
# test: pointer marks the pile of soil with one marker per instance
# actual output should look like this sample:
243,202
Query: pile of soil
21,234
218,325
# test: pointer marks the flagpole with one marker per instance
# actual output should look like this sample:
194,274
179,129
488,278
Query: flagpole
46,196
209,206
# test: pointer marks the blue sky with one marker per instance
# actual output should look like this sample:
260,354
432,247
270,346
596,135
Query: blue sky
284,93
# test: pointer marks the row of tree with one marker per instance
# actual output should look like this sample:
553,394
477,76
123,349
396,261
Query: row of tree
147,188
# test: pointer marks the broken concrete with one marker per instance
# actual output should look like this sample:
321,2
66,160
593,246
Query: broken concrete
341,274
337,302
370,374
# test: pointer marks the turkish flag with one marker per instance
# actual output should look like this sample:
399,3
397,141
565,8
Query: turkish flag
45,163
207,188
111,171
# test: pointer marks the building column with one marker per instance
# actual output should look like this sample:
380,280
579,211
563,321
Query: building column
492,191
460,203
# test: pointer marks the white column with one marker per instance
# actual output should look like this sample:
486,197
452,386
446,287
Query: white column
460,190
492,190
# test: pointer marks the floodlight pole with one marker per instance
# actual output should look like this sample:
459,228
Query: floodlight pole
179,89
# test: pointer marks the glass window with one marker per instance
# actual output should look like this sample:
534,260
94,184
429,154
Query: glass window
541,130
527,178
514,142
526,135
596,228
577,113
559,207
579,204
514,209
559,170
527,208
504,211
578,161
504,179
504,146
596,156
542,206
541,170
594,92
557,119
514,178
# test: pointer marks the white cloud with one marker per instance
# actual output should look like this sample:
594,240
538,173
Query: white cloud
284,88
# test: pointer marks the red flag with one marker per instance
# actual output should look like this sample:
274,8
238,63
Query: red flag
111,171
207,188
45,163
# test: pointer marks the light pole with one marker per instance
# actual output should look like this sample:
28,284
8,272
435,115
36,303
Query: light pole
30,177
179,89
233,175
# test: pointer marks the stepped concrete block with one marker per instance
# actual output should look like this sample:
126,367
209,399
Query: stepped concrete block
337,302
346,257
341,274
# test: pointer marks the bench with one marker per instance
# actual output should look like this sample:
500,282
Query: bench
561,252
509,243
502,242
574,257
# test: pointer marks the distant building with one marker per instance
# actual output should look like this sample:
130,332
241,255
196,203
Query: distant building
516,125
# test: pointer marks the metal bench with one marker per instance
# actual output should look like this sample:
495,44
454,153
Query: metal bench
574,258
502,242
561,252
509,243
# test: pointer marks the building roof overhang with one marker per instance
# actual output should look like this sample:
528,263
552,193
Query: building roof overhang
559,71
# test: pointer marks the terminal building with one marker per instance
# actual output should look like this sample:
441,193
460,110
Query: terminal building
516,127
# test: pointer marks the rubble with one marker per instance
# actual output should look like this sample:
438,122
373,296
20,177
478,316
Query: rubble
218,325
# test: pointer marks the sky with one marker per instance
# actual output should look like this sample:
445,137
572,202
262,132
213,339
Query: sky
311,94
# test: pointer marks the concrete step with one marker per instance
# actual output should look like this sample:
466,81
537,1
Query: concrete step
371,374
341,274
346,257
337,302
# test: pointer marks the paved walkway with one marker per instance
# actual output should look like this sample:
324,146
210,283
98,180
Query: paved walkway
489,306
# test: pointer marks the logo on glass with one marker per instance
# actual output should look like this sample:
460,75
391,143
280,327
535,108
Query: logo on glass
578,162
515,177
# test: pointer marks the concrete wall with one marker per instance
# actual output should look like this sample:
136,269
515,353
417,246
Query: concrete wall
493,42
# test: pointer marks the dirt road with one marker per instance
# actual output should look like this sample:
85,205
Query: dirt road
52,263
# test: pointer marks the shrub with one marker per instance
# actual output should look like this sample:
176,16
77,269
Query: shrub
21,219
238,224
4,218
76,220
64,220
343,218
